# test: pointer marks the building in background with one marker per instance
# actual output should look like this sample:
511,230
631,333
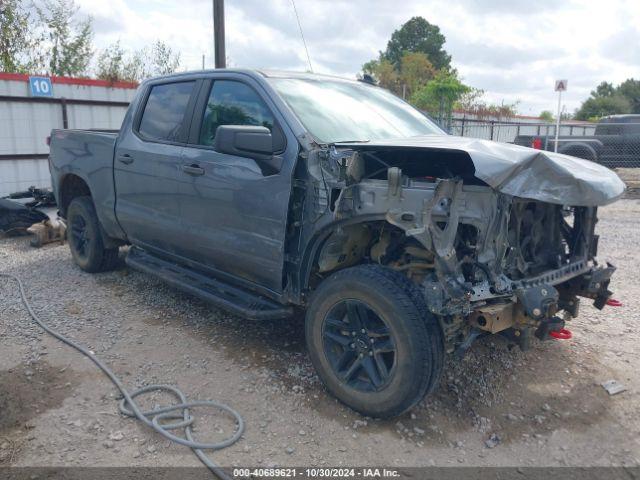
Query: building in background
26,120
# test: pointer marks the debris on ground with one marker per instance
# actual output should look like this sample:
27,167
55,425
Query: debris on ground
613,387
492,441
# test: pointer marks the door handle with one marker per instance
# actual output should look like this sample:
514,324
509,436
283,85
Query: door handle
126,159
194,170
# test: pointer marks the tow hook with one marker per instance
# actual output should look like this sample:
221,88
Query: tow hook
549,327
612,302
562,334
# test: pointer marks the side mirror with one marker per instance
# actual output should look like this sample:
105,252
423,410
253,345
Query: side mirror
244,141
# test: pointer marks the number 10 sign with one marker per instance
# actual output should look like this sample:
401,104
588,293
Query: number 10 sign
40,87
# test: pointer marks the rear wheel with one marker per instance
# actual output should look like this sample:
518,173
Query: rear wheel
372,341
85,238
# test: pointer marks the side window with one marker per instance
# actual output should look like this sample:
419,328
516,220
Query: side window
233,103
164,112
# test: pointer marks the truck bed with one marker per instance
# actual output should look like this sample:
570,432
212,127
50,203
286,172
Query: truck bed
88,155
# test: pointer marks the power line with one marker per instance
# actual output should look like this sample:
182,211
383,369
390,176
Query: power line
302,35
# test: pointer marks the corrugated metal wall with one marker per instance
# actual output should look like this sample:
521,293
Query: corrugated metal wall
25,123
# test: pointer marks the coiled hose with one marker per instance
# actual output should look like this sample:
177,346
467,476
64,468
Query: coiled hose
153,418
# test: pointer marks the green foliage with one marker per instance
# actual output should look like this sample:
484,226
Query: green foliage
56,41
16,40
67,46
630,89
440,95
415,71
114,63
605,89
546,115
385,74
110,63
416,66
418,36
596,107
609,100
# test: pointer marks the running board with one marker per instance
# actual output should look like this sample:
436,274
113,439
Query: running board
232,299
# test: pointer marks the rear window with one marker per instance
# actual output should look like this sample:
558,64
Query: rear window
163,115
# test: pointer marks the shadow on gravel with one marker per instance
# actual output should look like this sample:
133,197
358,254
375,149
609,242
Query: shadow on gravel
29,392
26,393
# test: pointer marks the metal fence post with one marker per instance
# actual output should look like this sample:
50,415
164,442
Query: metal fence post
65,116
462,128
492,124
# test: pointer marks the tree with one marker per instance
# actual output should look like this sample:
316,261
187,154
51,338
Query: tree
630,89
415,71
546,115
418,36
596,107
440,95
165,60
110,63
609,100
605,89
114,63
68,41
16,41
384,73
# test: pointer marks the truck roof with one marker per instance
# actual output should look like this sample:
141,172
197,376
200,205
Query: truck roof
255,73
623,118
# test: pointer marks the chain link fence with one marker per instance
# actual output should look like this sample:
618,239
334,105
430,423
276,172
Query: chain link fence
611,143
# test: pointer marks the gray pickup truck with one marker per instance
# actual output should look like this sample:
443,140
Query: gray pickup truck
265,192
615,142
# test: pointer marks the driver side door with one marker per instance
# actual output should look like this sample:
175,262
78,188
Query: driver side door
234,208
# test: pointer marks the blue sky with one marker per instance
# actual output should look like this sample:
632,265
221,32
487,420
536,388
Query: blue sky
512,49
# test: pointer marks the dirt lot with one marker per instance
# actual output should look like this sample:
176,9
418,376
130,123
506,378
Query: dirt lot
543,407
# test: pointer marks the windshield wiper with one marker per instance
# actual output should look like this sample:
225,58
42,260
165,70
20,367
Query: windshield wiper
352,141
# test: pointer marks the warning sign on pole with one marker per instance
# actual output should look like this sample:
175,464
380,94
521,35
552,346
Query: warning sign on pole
561,85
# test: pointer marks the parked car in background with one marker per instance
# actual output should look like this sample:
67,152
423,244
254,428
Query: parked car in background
262,192
615,143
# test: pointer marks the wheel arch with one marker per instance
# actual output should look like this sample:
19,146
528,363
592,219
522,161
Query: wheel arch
572,148
71,186
314,246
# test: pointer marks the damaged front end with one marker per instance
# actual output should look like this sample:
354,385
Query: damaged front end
486,261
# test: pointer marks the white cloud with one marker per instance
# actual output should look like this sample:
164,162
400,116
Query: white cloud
512,49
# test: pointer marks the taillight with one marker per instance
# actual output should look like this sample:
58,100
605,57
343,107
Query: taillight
537,143
48,140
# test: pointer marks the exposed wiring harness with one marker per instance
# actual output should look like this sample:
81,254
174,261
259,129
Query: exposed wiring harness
153,418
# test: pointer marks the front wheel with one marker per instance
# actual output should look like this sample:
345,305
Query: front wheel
372,340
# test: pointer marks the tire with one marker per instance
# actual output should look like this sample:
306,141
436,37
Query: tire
85,238
395,371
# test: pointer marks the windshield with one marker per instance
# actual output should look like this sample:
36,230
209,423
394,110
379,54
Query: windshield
340,111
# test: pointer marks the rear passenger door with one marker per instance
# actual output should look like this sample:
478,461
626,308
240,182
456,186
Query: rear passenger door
235,208
147,166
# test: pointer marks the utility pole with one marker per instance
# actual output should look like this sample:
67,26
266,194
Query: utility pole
218,33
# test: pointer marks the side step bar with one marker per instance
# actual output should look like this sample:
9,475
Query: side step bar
234,300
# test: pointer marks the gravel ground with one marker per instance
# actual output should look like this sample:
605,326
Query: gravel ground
497,406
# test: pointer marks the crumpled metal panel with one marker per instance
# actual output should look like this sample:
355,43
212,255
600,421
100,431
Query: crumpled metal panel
521,171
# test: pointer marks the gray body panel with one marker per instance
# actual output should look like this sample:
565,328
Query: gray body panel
521,171
88,155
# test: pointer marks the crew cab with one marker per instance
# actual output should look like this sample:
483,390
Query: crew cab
266,192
